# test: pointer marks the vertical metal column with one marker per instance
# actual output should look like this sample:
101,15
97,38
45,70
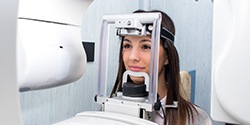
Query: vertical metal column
144,5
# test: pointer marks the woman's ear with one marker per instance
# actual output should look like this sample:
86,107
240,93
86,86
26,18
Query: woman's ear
166,61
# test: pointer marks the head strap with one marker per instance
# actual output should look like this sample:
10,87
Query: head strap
165,33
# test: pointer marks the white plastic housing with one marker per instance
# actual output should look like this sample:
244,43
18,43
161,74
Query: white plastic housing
63,11
104,118
48,54
231,62
49,47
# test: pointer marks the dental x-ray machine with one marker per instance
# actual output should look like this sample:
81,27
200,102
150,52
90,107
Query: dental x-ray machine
137,103
128,102
230,63
49,53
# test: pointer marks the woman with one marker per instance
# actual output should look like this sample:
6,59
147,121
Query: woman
135,56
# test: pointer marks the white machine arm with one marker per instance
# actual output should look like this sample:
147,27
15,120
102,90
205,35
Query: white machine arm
49,46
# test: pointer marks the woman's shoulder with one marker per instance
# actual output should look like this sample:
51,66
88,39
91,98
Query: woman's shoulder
201,117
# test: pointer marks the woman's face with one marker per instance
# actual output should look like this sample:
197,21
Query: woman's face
136,56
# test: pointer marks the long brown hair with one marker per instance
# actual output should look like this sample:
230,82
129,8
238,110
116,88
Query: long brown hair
174,116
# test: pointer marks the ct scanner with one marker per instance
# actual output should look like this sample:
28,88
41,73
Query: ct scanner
230,87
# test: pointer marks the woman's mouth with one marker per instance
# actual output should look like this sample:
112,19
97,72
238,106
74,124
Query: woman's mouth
135,68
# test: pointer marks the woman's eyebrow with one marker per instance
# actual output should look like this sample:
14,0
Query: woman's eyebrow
127,40
145,40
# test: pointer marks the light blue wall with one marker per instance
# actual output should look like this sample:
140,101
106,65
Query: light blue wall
193,21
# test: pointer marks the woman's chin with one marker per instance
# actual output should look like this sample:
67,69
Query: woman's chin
138,80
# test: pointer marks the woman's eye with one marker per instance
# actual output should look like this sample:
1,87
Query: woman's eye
146,47
126,46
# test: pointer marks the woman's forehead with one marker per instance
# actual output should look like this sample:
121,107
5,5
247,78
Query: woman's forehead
138,37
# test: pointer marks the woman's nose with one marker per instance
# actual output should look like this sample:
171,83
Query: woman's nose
134,55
